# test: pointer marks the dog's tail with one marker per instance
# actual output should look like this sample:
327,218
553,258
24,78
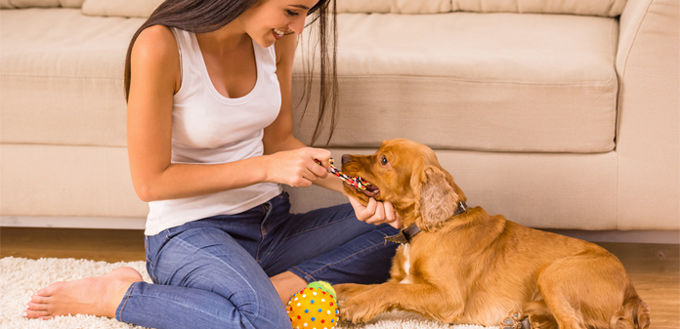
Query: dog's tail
633,314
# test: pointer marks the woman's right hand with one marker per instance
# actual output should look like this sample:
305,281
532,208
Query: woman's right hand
298,167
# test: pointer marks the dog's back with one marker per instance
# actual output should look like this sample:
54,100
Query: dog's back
508,266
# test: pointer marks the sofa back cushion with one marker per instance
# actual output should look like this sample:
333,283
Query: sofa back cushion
121,8
394,6
40,3
609,8
143,8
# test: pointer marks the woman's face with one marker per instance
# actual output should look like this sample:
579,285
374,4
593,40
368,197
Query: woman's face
269,20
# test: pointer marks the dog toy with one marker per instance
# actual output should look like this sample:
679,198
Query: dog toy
356,182
313,307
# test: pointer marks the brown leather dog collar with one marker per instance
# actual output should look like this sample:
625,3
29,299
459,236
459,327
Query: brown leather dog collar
408,233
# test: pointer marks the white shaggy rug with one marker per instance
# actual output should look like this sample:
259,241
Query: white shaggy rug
20,278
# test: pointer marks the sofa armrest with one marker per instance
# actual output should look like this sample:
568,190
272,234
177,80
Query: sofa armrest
648,125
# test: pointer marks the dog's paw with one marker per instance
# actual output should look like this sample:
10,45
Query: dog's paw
515,320
359,308
357,303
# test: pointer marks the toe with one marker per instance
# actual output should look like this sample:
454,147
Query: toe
36,307
35,314
35,299
49,290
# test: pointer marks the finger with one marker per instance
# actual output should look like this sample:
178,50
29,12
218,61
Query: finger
390,215
318,171
322,155
379,215
308,179
395,224
368,211
393,217
303,179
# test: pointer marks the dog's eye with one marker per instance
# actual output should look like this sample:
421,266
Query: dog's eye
383,160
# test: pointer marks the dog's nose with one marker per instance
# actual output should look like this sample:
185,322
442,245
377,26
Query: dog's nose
346,158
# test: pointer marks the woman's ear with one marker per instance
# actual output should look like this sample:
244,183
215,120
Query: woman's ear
436,198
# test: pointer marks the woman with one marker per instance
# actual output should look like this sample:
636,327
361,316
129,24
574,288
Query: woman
210,142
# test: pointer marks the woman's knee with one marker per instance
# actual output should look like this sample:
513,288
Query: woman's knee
265,314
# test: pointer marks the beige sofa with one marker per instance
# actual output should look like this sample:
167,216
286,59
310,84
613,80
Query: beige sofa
558,114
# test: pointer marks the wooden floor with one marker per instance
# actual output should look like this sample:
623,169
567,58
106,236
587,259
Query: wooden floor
654,268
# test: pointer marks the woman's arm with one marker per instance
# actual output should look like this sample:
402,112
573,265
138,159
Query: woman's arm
279,136
155,78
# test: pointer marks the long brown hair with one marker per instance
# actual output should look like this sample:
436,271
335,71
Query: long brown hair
201,16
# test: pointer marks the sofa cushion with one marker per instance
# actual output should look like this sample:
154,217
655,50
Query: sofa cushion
497,82
610,8
62,77
578,7
394,6
515,88
40,3
71,3
121,8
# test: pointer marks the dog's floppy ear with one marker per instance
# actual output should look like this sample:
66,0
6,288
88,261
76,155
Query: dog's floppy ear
436,199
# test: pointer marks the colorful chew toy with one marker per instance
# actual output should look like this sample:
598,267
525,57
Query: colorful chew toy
356,182
313,307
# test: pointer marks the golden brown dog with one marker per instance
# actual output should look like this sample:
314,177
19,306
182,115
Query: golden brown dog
466,266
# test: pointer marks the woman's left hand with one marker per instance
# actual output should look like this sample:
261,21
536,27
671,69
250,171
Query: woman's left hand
376,212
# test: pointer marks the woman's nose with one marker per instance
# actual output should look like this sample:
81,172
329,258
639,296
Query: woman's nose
297,25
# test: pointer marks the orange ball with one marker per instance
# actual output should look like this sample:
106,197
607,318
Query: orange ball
313,308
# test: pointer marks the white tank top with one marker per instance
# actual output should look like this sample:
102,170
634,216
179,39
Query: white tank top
209,128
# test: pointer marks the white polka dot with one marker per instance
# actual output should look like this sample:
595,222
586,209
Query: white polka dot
299,304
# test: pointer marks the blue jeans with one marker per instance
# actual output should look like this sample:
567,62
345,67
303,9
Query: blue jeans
214,273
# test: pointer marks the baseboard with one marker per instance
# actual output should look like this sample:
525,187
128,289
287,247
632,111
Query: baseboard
119,223
127,223
647,236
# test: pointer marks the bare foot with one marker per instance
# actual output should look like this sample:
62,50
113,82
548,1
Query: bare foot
287,284
97,296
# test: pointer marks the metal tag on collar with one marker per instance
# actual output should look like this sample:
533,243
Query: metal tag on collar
397,238
462,207
404,235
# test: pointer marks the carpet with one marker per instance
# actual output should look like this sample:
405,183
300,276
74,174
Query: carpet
20,278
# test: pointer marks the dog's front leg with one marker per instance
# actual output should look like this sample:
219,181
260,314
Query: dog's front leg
356,302
364,304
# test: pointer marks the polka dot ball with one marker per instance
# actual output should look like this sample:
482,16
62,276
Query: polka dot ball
313,307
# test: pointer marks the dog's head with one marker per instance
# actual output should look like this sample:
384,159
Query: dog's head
408,175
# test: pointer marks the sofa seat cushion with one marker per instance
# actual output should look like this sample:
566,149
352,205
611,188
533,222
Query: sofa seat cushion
493,82
62,77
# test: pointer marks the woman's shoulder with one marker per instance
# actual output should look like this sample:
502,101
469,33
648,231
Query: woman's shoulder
154,51
157,39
